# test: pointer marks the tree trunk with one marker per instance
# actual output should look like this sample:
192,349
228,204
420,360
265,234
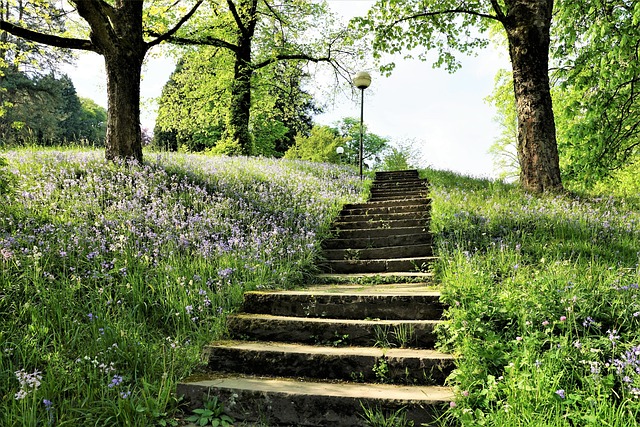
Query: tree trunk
237,132
527,25
124,140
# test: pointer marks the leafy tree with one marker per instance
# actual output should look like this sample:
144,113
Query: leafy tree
319,146
116,30
373,145
448,26
596,60
256,34
401,156
93,122
504,149
195,103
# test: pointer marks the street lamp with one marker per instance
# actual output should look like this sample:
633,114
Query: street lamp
340,152
361,80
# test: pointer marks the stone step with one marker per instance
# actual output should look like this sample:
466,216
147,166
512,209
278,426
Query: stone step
364,233
423,205
347,303
407,182
394,216
360,364
379,242
377,265
395,175
343,278
398,192
321,331
389,252
381,223
398,197
290,402
387,203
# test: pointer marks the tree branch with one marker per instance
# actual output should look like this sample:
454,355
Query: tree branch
176,27
236,17
207,41
48,39
444,12
499,12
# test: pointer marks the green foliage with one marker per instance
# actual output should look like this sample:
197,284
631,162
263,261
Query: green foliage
435,26
46,110
7,179
401,156
543,304
114,275
319,146
373,145
376,417
597,102
504,149
212,414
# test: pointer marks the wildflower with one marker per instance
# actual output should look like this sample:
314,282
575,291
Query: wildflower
577,344
92,317
636,314
28,382
560,393
538,363
518,338
545,323
188,309
588,322
452,404
48,405
563,318
115,381
612,335
125,394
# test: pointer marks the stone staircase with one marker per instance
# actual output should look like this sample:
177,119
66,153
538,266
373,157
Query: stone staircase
318,356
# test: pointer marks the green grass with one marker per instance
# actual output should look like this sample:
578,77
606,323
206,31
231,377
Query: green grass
114,276
544,304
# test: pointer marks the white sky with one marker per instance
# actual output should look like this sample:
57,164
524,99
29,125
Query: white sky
444,113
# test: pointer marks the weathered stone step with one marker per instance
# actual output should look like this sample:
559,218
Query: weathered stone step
360,364
407,192
379,242
394,216
398,197
379,232
346,304
389,252
374,277
337,332
381,223
395,175
289,402
405,182
377,265
387,203
422,205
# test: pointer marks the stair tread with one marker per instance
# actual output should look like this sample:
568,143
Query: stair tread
294,348
289,386
329,321
400,289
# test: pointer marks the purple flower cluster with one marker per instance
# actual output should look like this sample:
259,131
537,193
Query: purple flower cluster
627,367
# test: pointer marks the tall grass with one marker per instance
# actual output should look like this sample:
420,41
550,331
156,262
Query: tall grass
113,276
544,304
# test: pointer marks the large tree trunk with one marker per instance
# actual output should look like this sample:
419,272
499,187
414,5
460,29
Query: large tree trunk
237,131
527,25
124,140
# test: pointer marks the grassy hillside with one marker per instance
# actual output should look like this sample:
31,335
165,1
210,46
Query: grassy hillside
545,305
114,276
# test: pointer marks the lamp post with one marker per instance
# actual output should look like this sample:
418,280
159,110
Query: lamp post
340,152
361,80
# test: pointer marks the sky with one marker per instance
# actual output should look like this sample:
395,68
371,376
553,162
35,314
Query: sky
446,115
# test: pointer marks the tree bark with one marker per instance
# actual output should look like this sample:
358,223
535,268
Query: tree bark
527,24
124,139
237,131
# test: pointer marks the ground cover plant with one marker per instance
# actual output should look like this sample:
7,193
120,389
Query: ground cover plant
113,275
544,304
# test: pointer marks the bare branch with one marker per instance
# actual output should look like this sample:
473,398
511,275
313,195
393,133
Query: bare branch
444,12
